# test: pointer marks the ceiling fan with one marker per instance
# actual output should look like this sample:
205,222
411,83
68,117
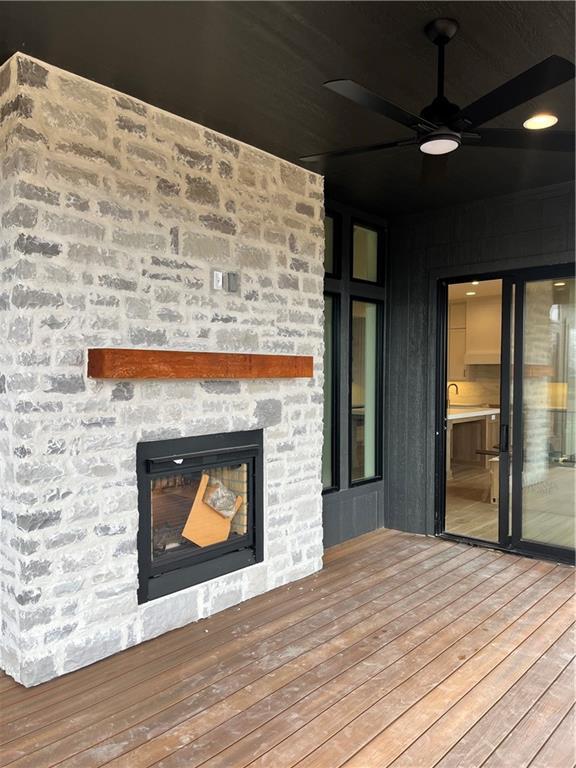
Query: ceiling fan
443,127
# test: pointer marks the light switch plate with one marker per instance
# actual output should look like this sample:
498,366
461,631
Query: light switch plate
217,280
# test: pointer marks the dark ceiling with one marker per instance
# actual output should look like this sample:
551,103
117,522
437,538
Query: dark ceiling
254,70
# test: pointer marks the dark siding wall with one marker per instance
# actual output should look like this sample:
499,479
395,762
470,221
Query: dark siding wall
522,230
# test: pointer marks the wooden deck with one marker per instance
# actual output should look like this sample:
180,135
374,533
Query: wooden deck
404,651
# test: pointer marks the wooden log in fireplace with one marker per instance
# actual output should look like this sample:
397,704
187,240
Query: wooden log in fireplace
107,363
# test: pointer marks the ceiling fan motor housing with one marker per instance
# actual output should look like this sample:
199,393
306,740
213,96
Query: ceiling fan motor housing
440,111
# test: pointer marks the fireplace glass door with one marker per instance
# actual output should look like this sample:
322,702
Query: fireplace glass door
199,509
200,503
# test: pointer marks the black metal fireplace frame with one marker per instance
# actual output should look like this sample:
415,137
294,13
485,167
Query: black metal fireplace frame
179,570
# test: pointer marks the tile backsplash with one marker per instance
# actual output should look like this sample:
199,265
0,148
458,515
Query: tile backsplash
481,390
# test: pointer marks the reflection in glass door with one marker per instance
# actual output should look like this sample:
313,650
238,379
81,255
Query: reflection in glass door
544,475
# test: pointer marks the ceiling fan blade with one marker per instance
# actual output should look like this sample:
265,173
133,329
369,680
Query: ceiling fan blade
554,141
359,150
365,98
538,79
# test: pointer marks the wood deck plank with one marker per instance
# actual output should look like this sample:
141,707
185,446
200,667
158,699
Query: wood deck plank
487,733
149,706
474,705
529,736
277,730
387,744
402,554
198,673
328,584
404,650
559,750
456,643
299,679
363,725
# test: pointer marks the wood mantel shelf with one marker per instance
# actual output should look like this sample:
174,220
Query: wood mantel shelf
106,363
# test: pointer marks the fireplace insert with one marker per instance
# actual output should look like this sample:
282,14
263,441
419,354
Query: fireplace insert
200,509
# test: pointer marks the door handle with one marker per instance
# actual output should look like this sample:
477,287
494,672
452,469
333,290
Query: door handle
504,438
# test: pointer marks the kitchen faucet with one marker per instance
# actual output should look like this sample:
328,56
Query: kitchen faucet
448,391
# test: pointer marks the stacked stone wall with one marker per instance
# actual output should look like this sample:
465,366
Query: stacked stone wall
113,215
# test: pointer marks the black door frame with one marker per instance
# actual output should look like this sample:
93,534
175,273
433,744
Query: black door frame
513,289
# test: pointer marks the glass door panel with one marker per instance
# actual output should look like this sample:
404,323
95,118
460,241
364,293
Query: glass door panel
475,454
363,390
545,480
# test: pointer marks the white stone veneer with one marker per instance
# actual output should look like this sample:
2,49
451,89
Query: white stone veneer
112,215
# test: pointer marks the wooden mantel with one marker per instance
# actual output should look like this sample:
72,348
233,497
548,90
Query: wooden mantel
106,363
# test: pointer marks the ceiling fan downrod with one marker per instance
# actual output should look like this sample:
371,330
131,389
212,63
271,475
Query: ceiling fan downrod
440,32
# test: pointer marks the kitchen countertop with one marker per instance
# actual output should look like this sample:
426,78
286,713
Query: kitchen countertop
472,412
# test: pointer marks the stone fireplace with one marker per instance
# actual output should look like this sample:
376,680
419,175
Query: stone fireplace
114,216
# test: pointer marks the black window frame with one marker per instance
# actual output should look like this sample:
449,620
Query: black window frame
379,433
335,423
336,243
343,287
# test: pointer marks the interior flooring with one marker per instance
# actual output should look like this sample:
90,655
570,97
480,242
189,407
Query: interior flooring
549,506
469,511
403,651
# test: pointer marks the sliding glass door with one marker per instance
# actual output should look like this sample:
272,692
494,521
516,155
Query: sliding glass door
545,385
506,399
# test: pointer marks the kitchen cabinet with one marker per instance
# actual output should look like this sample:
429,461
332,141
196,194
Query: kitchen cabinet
483,331
456,340
457,315
456,354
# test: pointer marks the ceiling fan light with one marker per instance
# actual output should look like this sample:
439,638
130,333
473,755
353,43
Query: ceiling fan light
540,121
440,143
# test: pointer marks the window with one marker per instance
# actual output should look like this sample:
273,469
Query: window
363,390
328,245
365,254
328,480
353,361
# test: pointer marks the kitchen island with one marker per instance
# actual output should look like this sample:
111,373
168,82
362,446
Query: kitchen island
487,438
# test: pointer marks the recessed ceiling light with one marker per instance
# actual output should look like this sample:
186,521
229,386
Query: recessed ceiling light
470,293
540,121
559,285
475,282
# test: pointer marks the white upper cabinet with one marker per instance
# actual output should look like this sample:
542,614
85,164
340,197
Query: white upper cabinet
457,315
483,331
456,340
